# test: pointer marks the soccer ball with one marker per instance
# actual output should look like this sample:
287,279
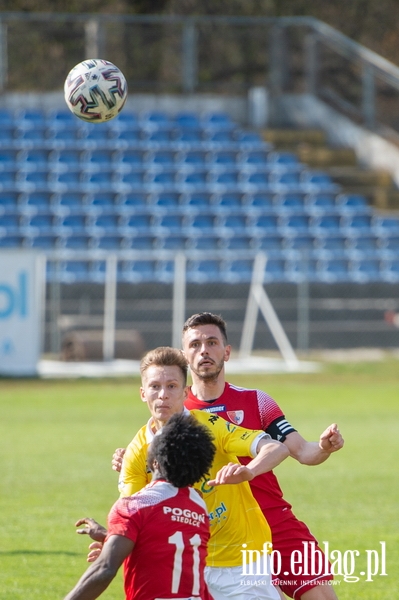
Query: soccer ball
95,90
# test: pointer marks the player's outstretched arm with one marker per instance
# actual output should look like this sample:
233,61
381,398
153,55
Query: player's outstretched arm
97,532
315,453
100,574
270,453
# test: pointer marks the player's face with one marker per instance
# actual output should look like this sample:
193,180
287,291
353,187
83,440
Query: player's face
164,391
205,350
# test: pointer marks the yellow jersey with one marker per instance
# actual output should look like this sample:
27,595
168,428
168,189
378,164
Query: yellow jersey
235,516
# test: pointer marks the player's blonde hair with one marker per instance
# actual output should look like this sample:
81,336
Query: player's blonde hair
165,356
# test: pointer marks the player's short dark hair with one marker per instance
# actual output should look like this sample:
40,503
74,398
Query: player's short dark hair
165,356
184,450
206,318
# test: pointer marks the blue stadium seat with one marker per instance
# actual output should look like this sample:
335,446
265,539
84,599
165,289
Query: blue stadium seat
385,226
165,271
206,242
187,136
295,223
11,241
239,242
133,179
187,120
139,271
356,224
162,179
167,199
334,270
7,133
302,269
223,157
75,270
390,271
35,135
34,157
130,135
8,201
133,200
196,200
259,180
107,222
156,118
103,179
162,157
78,242
131,157
68,157
159,135
193,157
74,200
125,118
275,270
70,180
102,200
302,242
287,180
238,271
220,136
318,180
40,200
225,179
364,244
171,222
352,202
319,202
35,179
264,223
261,201
326,223
366,270
248,138
204,271
254,158
194,179
7,157
202,223
291,202
272,244
110,242
99,132
389,244
217,120
44,242
42,222
9,223
172,242
228,201
141,242
8,178
73,223
100,157
331,244
234,223
286,159
140,222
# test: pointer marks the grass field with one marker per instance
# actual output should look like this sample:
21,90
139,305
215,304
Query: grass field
57,439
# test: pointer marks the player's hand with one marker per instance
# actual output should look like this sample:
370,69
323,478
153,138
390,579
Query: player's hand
95,551
231,473
96,531
331,439
117,459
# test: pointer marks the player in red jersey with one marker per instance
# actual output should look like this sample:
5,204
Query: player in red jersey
206,348
161,532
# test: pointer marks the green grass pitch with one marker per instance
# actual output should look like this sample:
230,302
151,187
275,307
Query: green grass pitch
57,439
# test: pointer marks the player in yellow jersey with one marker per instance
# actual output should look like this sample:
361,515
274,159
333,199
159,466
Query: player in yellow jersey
238,527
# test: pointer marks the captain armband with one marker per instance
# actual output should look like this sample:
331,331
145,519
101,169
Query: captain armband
279,429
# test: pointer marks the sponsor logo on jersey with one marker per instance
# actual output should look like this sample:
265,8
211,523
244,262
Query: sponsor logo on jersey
236,416
216,514
212,419
215,409
184,515
230,427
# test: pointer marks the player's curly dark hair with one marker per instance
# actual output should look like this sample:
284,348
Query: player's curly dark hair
206,318
184,450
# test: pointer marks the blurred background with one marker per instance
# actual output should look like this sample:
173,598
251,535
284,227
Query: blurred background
253,173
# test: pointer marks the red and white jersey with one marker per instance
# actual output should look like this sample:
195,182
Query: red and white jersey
170,529
253,409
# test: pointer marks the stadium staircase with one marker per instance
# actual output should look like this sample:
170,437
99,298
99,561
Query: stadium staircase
156,183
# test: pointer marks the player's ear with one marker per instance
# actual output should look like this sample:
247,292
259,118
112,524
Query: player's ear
142,395
186,390
227,352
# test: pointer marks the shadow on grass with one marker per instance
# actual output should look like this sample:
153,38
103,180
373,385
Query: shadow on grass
39,552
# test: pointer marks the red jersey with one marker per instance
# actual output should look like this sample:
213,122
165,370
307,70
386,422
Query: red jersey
170,529
253,409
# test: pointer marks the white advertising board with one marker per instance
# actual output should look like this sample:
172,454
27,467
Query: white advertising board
22,287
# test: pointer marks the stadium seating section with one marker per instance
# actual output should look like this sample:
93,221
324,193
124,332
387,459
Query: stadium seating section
155,183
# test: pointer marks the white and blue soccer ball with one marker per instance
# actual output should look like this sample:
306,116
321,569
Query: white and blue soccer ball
95,90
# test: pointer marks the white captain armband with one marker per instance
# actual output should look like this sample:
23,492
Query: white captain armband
279,429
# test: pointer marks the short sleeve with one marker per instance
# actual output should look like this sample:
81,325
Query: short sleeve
124,519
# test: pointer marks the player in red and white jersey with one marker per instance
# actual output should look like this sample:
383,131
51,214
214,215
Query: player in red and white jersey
206,348
161,532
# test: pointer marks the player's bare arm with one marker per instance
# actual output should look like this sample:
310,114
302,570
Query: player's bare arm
270,453
314,453
100,574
